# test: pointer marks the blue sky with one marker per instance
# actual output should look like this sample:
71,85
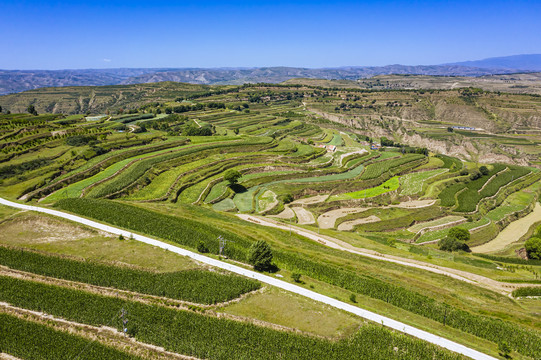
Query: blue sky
112,34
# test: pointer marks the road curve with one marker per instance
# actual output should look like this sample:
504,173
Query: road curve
390,323
475,279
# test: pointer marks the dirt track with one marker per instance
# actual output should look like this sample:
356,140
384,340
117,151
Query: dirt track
479,280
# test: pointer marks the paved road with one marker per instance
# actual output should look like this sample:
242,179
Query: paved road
393,324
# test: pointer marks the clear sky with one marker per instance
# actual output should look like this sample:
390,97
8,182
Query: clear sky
111,34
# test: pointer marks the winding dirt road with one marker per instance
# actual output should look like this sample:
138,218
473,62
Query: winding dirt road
475,279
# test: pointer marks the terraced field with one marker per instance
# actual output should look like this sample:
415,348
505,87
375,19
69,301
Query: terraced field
182,170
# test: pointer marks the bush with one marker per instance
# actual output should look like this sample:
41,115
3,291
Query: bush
232,176
450,244
464,172
296,277
353,298
260,256
286,198
460,234
455,240
475,175
202,248
484,170
533,248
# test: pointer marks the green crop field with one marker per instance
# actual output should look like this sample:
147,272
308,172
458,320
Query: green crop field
179,162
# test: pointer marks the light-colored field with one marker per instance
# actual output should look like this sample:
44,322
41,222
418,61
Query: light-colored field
286,214
311,200
349,225
435,224
413,183
53,235
513,232
304,216
267,201
328,219
224,205
287,309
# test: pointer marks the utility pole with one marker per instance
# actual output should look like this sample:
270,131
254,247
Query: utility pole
223,242
123,316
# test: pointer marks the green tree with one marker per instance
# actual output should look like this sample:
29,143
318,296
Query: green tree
202,248
484,170
31,110
286,198
260,256
0,109
296,277
458,233
533,247
450,244
455,240
232,176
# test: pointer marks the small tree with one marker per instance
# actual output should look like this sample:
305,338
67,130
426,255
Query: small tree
202,248
0,109
260,256
353,298
484,170
533,248
31,110
287,198
296,277
458,233
232,176
455,240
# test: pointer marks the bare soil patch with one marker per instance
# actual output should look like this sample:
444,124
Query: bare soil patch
328,219
512,233
286,214
349,225
311,200
304,216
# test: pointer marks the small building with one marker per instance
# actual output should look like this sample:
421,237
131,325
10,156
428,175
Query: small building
331,148
464,128
375,146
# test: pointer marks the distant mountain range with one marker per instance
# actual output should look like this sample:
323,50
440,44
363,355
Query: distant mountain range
530,62
13,81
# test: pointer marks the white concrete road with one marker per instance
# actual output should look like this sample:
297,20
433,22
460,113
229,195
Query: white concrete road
390,323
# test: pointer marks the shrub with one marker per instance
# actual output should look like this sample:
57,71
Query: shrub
296,277
484,170
475,175
460,234
287,198
464,172
202,248
260,256
533,248
450,244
